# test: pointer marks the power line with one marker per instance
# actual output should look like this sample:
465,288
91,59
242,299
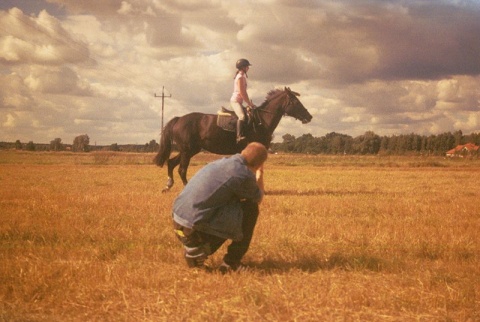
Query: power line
163,101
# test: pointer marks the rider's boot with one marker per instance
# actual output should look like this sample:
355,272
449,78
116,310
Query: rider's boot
240,135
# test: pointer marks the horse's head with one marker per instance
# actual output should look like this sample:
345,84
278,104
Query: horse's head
295,108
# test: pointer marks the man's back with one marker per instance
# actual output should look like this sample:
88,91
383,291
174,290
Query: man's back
216,188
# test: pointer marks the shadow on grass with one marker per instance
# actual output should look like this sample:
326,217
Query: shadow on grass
354,262
315,192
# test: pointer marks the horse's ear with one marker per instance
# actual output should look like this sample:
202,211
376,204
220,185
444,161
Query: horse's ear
287,89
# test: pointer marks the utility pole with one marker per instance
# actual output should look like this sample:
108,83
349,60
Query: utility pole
163,101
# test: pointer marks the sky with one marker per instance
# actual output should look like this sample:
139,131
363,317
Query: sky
70,67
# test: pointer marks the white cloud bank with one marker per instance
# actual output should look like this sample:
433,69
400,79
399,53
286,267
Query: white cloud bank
93,66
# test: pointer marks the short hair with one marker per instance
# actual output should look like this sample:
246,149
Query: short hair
255,154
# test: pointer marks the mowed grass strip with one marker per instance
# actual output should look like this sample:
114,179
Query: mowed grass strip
88,237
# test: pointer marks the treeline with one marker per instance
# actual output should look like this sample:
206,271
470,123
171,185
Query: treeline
332,143
371,143
81,143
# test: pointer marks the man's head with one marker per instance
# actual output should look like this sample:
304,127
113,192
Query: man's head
255,154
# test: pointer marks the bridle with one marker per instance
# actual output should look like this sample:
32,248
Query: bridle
282,109
258,120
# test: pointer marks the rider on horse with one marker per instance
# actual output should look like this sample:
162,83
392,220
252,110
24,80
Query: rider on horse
240,95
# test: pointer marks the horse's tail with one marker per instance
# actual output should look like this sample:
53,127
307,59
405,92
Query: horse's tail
165,143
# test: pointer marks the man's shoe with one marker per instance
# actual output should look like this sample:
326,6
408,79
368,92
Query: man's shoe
195,256
225,268
194,262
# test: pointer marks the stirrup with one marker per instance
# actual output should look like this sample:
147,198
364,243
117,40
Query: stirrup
240,139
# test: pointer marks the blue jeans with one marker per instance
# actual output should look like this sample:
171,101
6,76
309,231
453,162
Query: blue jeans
237,249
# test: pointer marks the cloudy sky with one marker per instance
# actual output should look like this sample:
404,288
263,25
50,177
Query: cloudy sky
70,67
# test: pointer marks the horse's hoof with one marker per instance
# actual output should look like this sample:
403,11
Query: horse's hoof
169,185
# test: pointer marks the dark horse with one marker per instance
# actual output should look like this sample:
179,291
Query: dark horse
196,131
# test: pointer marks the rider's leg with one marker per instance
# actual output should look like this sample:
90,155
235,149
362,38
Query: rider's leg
238,109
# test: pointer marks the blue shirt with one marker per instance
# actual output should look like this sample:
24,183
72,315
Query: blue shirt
210,202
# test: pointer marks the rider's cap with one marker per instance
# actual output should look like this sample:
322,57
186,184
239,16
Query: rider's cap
242,62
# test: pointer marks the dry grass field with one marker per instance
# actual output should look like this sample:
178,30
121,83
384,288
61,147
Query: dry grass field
87,237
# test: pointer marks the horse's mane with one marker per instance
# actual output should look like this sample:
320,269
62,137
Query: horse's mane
271,95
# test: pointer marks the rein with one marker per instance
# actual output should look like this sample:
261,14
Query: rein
264,106
258,120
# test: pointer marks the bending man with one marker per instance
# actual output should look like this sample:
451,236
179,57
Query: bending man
220,202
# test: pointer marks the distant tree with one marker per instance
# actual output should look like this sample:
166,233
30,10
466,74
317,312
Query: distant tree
416,142
444,142
369,143
384,144
401,144
56,145
153,146
114,147
304,144
30,146
458,135
337,143
472,138
18,145
80,143
288,142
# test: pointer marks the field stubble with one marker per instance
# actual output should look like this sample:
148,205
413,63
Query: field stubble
88,237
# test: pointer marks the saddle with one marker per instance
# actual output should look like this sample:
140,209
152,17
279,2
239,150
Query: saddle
227,119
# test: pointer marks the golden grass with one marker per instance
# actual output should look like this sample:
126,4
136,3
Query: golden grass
87,237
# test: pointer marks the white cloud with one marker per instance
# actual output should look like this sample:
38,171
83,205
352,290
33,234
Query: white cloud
125,9
57,80
385,66
448,90
37,40
9,121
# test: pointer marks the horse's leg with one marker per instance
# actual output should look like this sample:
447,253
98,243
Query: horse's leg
184,162
182,169
171,164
